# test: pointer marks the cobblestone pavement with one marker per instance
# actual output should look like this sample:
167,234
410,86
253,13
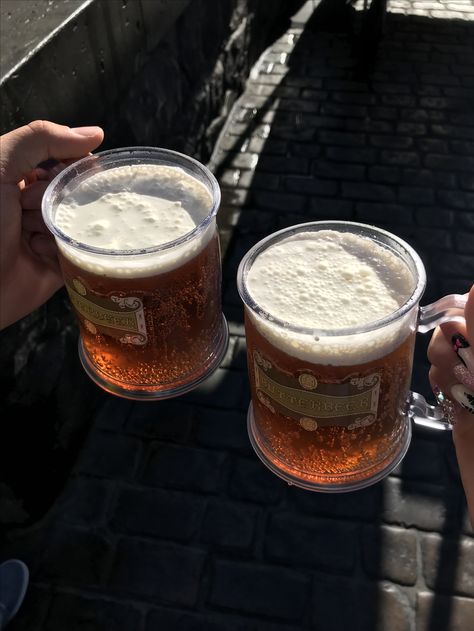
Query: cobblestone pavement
169,521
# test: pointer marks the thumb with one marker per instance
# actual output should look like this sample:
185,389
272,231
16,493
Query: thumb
24,148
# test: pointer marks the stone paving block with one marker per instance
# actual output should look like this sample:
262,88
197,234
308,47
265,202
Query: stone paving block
171,620
465,242
236,197
451,132
162,572
344,110
280,202
316,543
309,185
259,181
224,389
110,456
269,146
435,217
73,612
283,164
76,556
457,199
222,429
359,605
439,161
386,141
157,513
370,125
383,112
364,505
84,502
371,212
33,610
390,554
423,461
457,265
358,98
257,589
412,129
400,158
419,505
162,420
467,181
368,191
113,414
458,611
251,481
385,175
341,138
229,525
252,220
240,357
428,178
416,195
420,115
322,208
338,170
359,155
448,564
180,467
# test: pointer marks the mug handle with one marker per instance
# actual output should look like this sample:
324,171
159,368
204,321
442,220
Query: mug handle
443,310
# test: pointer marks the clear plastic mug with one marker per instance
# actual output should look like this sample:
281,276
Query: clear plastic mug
338,426
150,319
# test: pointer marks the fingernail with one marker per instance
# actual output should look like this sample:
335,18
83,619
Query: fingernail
464,375
459,341
86,131
463,350
464,396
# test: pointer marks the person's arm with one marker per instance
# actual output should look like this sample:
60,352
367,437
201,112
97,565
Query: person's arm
29,269
451,353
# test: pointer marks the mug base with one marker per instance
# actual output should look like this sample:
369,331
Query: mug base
342,483
149,393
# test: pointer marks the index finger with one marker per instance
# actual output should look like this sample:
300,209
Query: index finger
24,148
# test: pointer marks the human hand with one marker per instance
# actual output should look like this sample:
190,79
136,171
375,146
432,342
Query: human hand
451,353
29,268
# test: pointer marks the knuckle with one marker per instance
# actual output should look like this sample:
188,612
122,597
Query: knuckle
38,126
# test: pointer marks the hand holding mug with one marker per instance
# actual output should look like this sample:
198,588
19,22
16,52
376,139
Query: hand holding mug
451,353
29,269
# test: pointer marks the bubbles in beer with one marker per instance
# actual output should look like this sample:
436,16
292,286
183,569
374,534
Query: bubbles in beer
329,280
325,281
133,207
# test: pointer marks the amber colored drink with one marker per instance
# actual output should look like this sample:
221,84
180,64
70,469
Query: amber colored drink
180,314
304,445
330,336
139,251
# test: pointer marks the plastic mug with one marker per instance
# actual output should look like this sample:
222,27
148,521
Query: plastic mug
332,410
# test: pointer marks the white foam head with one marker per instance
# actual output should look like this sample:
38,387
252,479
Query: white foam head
330,280
134,207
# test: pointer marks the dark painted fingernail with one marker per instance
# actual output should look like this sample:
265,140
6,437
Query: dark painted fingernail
459,342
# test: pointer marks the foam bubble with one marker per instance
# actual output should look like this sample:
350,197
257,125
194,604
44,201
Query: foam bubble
134,207
330,280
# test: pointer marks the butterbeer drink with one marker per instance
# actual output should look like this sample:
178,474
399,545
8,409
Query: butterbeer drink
330,343
139,251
